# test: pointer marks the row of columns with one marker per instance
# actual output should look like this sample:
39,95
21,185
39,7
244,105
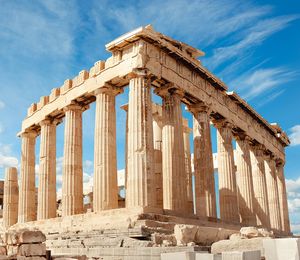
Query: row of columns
249,192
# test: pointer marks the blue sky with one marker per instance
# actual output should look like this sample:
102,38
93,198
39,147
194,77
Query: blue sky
253,46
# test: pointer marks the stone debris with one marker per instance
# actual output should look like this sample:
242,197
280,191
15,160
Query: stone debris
24,244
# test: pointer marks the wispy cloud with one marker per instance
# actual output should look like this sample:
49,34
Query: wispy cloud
2,104
262,80
6,158
295,138
250,37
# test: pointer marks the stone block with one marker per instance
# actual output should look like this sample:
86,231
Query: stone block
238,245
32,250
250,232
2,250
12,250
82,76
246,255
54,94
98,66
67,85
44,100
283,248
31,109
207,256
27,236
185,234
178,256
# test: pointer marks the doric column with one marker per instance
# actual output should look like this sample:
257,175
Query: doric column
11,196
174,176
105,194
47,171
227,173
140,190
284,212
244,181
188,166
157,142
203,162
27,206
72,185
272,190
261,207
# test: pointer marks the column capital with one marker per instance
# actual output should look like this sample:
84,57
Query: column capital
242,136
259,149
199,107
109,90
140,73
29,133
50,121
75,106
279,162
222,123
168,90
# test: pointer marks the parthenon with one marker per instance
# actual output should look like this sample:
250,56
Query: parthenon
252,190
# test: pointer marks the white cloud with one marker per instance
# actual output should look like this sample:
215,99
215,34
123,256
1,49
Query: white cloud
1,128
6,159
252,36
295,135
259,81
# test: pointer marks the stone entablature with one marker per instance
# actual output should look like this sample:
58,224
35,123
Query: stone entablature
157,139
132,51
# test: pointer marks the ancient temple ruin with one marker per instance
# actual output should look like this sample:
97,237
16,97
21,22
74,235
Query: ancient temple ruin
252,190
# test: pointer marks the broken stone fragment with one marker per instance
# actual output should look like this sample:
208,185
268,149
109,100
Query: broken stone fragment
250,232
32,250
27,236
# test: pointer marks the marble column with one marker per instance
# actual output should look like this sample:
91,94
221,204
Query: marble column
284,212
174,175
227,173
188,166
47,171
203,162
157,143
72,184
27,205
272,190
11,196
140,190
105,194
244,181
261,207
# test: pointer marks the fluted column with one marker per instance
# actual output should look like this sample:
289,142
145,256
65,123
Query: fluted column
261,207
188,167
174,175
272,190
157,141
140,190
284,212
47,171
105,194
11,196
203,162
227,173
72,185
27,206
244,181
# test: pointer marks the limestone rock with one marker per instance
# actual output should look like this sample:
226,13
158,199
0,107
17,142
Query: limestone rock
265,233
184,234
238,245
237,236
12,250
250,232
31,258
31,237
2,250
32,250
208,235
